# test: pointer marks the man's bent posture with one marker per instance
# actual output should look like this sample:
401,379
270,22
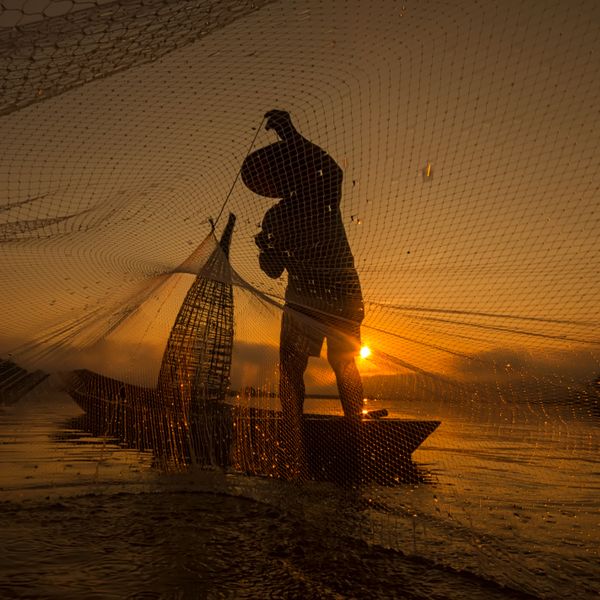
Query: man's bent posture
303,233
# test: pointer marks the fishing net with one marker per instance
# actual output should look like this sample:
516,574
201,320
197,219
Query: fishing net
419,216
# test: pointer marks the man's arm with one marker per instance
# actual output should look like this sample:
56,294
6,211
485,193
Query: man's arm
269,259
271,264
281,122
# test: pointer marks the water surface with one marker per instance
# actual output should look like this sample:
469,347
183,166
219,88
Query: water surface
509,508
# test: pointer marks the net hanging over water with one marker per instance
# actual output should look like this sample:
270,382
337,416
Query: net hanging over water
407,280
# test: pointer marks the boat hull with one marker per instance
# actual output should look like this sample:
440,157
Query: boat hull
336,449
250,440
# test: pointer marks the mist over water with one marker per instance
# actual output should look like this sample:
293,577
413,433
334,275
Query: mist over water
506,508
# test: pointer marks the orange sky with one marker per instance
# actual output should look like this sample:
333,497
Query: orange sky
502,239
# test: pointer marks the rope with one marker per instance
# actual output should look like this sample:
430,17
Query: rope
237,176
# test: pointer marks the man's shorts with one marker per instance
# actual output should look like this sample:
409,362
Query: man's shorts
303,332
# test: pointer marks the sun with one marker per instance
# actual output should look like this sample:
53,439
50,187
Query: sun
365,352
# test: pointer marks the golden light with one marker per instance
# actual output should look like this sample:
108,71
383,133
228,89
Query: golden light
365,352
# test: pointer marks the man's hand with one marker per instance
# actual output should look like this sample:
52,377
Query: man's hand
271,264
281,122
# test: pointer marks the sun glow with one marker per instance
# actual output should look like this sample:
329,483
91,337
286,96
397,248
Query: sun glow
365,352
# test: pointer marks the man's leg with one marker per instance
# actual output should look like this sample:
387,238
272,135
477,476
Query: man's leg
291,385
351,396
348,381
343,344
293,360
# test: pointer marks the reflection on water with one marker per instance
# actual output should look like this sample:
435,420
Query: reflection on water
35,457
187,545
509,501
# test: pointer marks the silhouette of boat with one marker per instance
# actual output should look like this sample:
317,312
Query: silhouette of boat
186,419
248,439
16,382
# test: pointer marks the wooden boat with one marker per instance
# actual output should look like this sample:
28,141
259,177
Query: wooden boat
249,440
16,382
336,448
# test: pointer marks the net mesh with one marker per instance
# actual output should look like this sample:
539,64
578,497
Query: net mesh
419,216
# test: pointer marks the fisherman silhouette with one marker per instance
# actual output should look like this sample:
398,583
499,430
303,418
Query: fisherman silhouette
304,234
